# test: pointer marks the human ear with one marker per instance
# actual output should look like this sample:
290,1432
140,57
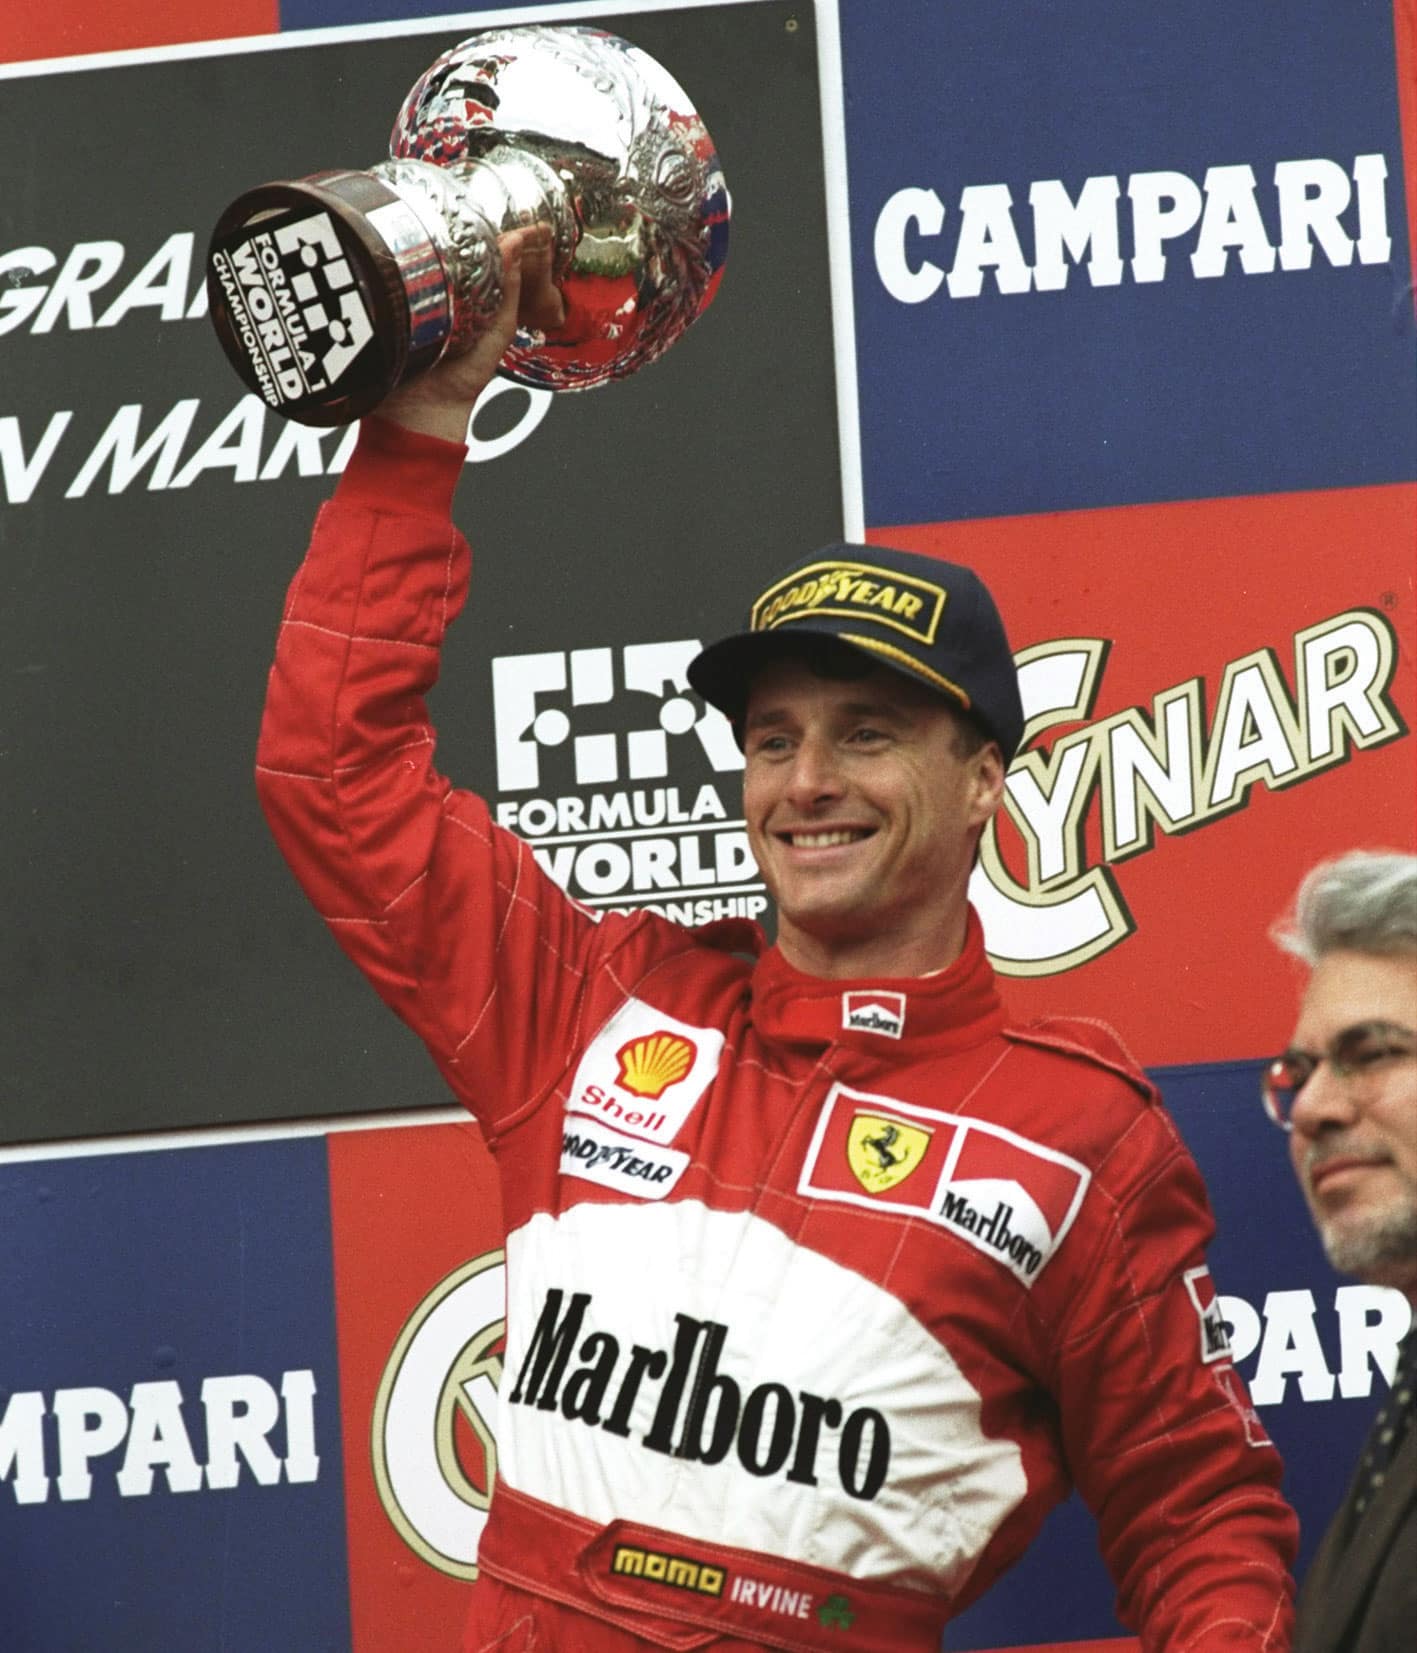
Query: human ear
988,782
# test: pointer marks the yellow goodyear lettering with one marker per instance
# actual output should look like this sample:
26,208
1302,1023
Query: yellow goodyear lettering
677,1570
854,590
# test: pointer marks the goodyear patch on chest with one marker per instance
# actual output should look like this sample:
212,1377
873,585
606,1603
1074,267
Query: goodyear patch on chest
644,1071
1010,1198
642,1170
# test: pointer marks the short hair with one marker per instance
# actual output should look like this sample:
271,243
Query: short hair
835,661
1361,902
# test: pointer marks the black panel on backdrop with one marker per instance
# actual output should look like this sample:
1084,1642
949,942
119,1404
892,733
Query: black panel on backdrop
158,966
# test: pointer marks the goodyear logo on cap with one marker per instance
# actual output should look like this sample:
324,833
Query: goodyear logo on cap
856,591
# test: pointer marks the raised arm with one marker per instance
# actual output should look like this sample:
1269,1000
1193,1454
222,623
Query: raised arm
447,915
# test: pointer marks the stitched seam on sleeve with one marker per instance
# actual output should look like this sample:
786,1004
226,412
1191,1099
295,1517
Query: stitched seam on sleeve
447,585
1133,1124
1111,1032
467,827
361,636
336,788
424,739
290,774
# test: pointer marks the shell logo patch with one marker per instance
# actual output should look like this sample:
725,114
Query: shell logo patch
1008,1197
883,1152
650,1065
644,1072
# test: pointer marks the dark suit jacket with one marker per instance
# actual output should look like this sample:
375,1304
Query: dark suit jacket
1360,1596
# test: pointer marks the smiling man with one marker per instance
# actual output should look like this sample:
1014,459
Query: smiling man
1346,1091
870,769
826,1280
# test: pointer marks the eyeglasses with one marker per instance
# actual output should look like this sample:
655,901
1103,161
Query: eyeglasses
1360,1055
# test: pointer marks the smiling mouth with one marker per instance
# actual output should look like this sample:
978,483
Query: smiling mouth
1326,1171
825,838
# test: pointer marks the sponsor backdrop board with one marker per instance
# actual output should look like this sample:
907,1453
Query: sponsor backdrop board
1191,481
306,1336
1221,693
55,28
1186,273
169,1403
150,519
316,14
416,1219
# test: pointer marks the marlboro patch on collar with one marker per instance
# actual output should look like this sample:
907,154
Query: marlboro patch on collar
868,1011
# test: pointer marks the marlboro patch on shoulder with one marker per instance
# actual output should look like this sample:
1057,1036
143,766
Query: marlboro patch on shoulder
1214,1333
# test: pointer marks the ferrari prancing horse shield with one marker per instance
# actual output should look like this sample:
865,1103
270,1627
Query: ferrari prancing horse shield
883,1152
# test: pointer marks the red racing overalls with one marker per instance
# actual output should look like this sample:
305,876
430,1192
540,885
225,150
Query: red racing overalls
821,1294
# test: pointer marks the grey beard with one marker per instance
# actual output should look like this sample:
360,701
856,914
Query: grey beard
1381,1250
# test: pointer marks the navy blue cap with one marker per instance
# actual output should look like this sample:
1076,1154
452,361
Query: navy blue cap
930,620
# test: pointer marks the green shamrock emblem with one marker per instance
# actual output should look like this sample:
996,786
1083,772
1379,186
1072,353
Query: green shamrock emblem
835,1614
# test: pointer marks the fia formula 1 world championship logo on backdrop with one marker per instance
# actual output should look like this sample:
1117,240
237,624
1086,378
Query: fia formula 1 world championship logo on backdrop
433,1444
624,784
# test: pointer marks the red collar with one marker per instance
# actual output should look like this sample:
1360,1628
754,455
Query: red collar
879,1016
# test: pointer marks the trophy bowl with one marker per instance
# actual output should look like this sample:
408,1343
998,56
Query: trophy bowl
328,291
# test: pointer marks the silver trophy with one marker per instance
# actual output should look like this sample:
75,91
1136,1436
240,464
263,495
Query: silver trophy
328,291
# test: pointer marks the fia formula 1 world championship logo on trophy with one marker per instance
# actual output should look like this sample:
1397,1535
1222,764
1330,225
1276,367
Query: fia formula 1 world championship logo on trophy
433,1444
328,291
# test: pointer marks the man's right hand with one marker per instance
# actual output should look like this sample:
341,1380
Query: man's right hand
440,401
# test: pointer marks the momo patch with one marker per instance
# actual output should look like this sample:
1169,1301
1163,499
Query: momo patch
595,1153
681,1572
1008,1197
644,1071
1215,1337
853,591
872,1012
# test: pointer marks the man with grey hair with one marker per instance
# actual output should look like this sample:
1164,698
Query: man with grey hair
1346,1091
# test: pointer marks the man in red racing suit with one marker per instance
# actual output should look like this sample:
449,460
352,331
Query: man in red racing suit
824,1285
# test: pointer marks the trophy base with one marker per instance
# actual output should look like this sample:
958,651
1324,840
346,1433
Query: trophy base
325,294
